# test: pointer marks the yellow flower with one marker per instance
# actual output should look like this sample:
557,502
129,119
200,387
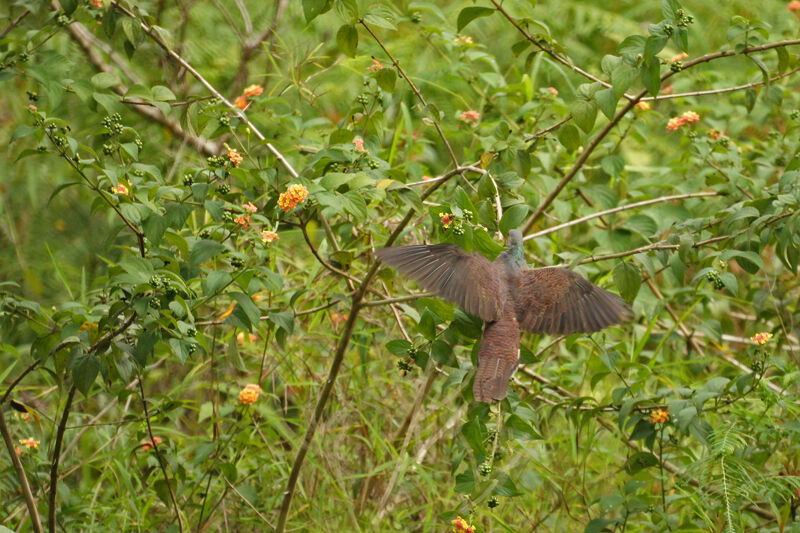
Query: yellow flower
29,443
463,40
644,106
295,194
268,236
659,416
761,338
675,123
120,189
461,526
249,394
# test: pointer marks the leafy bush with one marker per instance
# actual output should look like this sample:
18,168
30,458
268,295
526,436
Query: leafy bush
195,332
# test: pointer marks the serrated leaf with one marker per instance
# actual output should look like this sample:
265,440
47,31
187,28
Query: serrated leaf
468,14
628,279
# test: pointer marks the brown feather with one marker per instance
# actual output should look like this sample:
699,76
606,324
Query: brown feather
558,301
498,358
468,280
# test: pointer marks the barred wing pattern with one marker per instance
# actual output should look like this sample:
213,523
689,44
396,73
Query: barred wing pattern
468,280
558,301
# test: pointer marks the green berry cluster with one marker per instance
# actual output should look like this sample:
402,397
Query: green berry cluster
405,366
224,188
188,179
486,468
237,262
492,503
113,123
363,98
216,161
684,19
713,277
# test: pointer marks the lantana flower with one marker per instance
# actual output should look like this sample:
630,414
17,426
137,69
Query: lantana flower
150,444
761,338
250,206
644,106
234,156
268,236
447,219
358,142
253,90
470,116
553,91
243,221
241,102
120,188
29,443
794,5
249,394
295,194
375,66
461,526
679,57
659,416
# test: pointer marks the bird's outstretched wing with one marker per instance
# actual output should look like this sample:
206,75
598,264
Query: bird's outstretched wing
558,301
468,280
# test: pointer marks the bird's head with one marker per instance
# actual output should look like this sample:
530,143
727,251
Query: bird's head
514,239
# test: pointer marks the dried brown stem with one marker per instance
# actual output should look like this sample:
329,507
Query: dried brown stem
62,426
30,502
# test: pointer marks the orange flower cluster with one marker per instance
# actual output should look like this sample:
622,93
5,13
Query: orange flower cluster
716,134
359,144
463,40
295,194
470,116
553,91
234,156
243,221
241,339
461,526
29,443
97,3
794,5
268,236
242,101
250,206
761,338
676,122
659,416
150,444
375,66
644,106
447,219
120,189
249,394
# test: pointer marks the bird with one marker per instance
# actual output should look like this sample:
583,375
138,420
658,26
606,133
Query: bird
510,297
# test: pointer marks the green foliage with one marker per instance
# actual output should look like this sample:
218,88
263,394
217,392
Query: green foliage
194,334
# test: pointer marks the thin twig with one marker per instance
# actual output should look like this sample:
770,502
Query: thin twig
617,210
33,512
62,426
15,23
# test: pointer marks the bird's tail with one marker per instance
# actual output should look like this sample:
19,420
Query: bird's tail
497,360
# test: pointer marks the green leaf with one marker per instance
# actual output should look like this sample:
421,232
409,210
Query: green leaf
585,113
347,40
284,320
750,257
381,16
398,347
314,8
632,46
215,281
750,97
513,217
651,76
570,137
729,280
468,14
204,249
471,431
639,461
613,165
247,307
84,369
628,280
607,101
386,79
